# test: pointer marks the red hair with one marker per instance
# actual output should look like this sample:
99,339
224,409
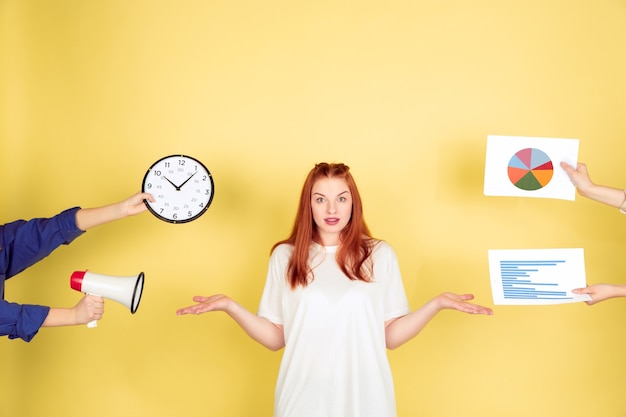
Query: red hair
355,240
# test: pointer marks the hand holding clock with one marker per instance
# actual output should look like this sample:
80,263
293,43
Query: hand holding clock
86,218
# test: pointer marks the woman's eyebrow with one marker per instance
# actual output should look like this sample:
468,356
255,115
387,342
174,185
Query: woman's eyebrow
341,193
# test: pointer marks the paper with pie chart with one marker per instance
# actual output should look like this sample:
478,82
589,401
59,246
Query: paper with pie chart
518,166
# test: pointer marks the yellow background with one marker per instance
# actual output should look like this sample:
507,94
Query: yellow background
405,92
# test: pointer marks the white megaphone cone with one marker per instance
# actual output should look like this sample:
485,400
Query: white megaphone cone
124,290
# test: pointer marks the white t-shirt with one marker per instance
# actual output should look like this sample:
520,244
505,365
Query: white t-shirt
335,359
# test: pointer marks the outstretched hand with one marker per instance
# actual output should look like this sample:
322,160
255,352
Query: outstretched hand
402,329
218,302
601,292
448,300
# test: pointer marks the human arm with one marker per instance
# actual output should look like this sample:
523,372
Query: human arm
402,329
23,321
601,292
91,217
90,307
258,328
26,242
579,176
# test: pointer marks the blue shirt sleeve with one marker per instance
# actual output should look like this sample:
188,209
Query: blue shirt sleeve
22,244
21,320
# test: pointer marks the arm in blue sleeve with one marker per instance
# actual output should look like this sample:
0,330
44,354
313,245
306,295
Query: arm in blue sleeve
21,321
22,244
25,243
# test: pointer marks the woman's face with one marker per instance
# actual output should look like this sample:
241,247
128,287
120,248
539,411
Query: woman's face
331,204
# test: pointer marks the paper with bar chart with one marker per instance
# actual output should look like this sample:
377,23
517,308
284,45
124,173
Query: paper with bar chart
536,276
518,166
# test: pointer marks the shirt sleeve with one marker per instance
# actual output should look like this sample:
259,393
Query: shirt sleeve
386,264
21,321
271,305
22,244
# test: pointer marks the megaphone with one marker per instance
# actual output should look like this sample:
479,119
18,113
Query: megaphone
124,290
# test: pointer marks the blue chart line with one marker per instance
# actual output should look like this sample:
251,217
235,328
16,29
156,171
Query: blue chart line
518,283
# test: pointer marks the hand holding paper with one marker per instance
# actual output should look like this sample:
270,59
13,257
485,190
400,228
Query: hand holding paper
601,292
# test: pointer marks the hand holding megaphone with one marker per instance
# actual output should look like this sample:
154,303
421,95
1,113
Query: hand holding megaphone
89,308
124,290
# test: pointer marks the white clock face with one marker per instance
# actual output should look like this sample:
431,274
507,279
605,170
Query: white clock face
182,187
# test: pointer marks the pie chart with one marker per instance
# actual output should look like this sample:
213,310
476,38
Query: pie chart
530,169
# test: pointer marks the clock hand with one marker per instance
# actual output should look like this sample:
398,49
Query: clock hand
181,185
173,185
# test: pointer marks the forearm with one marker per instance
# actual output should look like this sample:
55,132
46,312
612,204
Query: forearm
258,328
92,217
607,195
405,328
60,317
617,290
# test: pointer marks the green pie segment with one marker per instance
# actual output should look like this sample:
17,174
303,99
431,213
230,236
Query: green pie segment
530,169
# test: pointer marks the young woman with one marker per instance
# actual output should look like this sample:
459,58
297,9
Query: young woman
614,197
23,243
334,300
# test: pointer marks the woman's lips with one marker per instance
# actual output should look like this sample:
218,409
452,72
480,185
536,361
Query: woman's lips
331,221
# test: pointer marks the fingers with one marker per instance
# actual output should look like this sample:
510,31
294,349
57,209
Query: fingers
135,204
454,296
580,172
475,309
567,167
459,302
483,310
91,307
195,309
147,196
579,167
186,310
95,301
466,296
201,307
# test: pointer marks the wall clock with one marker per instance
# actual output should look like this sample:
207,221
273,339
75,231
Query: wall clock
181,186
